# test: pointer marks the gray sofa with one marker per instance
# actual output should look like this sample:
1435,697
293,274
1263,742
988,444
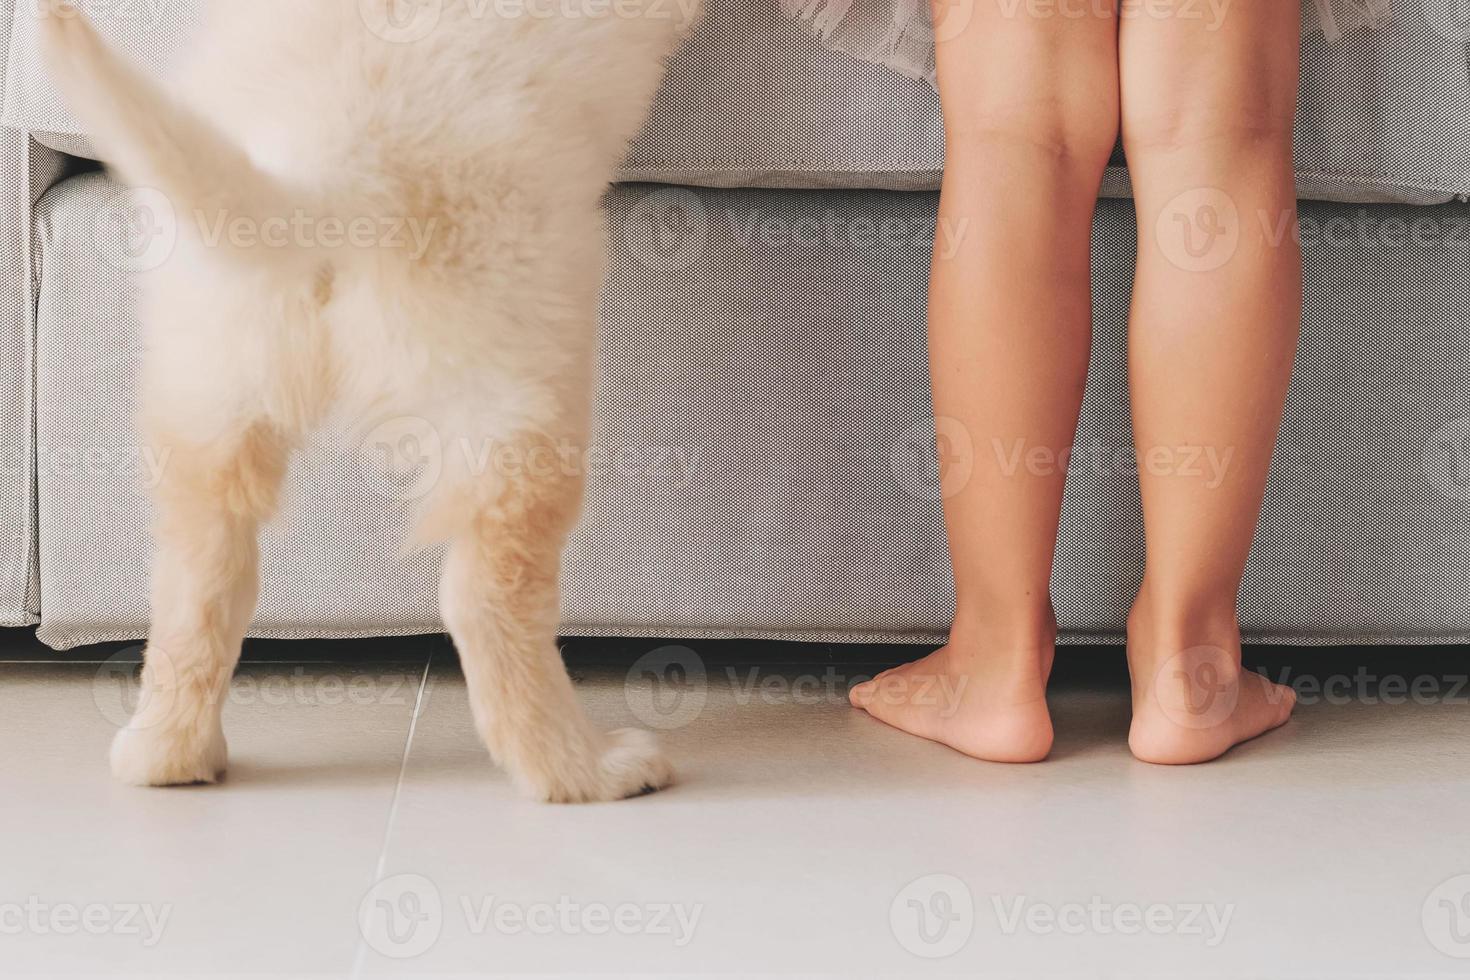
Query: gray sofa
764,462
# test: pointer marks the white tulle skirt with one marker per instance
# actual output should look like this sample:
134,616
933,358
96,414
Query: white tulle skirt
900,33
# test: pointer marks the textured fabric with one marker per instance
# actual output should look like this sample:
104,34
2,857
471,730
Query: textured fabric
15,361
756,100
899,34
325,571
26,170
7,24
766,464
16,539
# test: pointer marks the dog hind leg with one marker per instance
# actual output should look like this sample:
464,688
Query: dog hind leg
208,508
499,597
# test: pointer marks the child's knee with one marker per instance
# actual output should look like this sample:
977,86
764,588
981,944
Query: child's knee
1066,140
1172,128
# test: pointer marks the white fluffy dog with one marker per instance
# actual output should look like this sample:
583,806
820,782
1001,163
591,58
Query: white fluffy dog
494,127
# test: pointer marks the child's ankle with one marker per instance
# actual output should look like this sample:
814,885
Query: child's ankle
1162,621
1004,635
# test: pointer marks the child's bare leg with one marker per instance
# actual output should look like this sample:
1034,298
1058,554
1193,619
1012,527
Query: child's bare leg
1031,112
1207,122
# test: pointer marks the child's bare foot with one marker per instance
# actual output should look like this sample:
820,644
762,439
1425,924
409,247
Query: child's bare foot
981,701
1192,699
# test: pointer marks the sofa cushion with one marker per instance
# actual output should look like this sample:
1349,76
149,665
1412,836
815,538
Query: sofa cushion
756,101
766,463
27,170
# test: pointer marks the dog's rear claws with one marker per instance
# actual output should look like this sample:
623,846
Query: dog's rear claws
631,764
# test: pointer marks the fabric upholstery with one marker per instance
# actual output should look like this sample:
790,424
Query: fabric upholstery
16,544
756,101
766,462
26,170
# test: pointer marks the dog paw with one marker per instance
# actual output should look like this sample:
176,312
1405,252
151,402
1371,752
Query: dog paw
158,757
633,764
624,763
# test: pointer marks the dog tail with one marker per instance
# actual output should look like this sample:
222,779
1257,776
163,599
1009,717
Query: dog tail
148,137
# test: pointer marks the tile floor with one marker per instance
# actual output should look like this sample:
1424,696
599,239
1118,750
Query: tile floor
362,832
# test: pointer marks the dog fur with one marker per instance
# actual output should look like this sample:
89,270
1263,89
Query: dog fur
499,135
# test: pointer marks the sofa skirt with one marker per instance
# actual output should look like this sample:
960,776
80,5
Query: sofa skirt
763,461
27,170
